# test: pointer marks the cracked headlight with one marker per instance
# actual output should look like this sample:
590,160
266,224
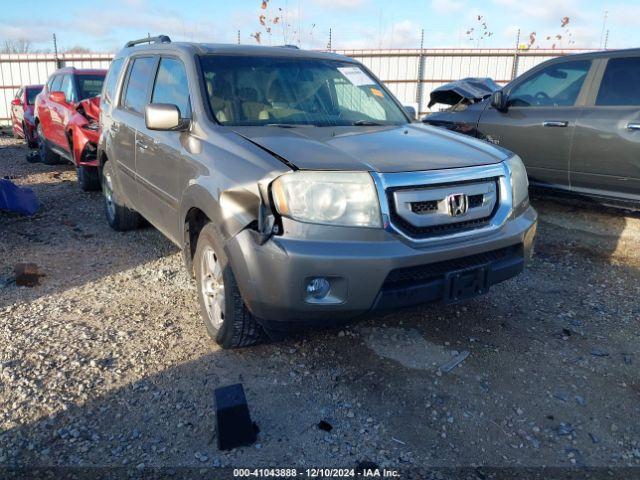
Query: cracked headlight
519,181
330,198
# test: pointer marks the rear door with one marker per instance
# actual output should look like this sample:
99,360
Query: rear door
59,113
127,119
159,154
606,150
46,114
542,110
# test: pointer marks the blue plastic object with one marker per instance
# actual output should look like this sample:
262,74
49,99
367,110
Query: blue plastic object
17,199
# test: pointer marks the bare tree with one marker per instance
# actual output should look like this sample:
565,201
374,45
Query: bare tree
77,49
20,45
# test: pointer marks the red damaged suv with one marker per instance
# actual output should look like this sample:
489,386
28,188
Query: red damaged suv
22,119
67,121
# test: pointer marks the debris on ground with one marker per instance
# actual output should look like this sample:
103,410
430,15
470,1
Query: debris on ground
325,426
454,362
234,427
17,199
27,274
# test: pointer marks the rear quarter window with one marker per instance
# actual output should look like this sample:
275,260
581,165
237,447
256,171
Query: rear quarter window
109,92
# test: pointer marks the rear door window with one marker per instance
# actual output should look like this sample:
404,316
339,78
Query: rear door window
172,86
137,92
620,84
557,85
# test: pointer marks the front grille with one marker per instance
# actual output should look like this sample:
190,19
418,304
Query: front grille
424,207
433,271
428,207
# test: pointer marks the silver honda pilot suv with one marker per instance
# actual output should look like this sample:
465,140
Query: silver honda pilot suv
300,191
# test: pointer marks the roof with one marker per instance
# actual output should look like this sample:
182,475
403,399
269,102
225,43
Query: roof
82,71
232,49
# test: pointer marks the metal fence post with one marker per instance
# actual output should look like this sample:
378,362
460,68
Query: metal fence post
516,58
420,88
55,52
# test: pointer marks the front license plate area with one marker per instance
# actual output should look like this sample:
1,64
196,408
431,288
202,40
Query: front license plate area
464,284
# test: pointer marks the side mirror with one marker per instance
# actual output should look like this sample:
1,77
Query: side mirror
164,116
16,102
499,101
58,97
411,111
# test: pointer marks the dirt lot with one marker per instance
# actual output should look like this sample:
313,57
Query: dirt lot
106,362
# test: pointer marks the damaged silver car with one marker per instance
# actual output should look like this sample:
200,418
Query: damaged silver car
299,189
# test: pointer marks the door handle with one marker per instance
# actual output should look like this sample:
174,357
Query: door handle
633,126
141,145
555,123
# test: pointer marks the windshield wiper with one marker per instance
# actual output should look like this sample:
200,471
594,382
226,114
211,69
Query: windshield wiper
288,125
366,123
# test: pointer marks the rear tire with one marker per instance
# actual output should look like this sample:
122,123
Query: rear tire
88,179
47,156
226,317
119,217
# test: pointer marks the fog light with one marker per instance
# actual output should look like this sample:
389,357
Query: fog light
318,288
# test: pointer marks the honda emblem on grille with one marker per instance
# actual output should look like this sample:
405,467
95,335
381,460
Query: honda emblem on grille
458,204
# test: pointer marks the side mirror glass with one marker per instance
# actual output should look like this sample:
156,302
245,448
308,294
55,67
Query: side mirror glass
499,101
411,111
164,116
58,97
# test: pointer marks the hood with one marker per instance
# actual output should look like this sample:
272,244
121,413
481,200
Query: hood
89,108
470,89
386,149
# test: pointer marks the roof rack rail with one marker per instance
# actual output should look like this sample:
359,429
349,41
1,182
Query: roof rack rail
158,39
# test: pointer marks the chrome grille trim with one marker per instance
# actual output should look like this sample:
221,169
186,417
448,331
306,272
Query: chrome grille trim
404,200
387,183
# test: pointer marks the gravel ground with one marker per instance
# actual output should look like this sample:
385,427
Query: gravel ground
106,362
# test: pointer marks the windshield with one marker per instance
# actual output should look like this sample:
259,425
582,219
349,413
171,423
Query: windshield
32,93
89,85
246,90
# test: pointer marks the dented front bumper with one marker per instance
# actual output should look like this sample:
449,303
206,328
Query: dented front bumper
363,266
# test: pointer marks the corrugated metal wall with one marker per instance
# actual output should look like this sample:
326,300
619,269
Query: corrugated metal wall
399,69
34,68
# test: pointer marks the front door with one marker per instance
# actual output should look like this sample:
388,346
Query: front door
160,154
606,152
538,124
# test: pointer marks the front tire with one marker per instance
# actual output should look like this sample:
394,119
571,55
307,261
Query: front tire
226,317
47,156
31,143
120,217
88,179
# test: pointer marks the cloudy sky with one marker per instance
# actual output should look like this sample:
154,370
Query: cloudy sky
106,25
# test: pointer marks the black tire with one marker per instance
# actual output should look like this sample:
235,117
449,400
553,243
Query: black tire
120,217
31,143
88,178
47,156
238,327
